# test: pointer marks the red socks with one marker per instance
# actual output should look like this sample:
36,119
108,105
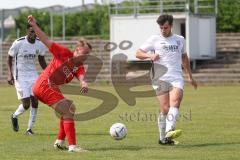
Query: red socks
69,129
61,132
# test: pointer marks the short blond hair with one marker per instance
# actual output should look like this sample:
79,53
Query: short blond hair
84,42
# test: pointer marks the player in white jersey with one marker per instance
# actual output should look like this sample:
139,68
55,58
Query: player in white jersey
24,50
167,51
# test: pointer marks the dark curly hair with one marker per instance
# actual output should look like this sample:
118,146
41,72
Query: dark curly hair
165,18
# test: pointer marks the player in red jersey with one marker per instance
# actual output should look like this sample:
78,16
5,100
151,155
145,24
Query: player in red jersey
64,66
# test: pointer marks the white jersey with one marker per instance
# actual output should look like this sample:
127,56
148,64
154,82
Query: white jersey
170,51
25,53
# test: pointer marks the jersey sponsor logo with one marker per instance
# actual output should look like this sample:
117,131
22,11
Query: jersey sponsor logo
64,74
170,48
29,56
68,74
66,71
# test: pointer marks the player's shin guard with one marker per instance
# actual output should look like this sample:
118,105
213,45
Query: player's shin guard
69,128
61,132
32,117
162,125
171,119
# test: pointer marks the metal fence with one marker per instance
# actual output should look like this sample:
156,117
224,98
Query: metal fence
137,7
98,52
1,62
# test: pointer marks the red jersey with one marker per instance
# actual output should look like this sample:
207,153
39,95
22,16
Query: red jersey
61,69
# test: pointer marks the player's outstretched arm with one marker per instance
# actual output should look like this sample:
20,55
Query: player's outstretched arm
41,35
143,55
187,69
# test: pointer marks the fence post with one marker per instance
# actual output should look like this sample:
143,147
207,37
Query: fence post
51,24
1,59
161,6
196,6
63,24
1,41
216,7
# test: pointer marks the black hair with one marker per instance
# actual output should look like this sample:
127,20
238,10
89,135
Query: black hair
165,18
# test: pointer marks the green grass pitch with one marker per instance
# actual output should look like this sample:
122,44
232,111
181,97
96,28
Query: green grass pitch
210,120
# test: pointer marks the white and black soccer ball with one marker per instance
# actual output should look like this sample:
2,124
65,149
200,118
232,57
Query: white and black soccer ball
118,131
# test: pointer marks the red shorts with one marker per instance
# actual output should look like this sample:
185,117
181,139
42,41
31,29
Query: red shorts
46,93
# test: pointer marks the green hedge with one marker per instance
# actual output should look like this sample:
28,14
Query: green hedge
88,22
96,21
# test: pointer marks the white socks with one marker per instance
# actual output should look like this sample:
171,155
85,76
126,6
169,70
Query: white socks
60,142
171,119
162,125
71,147
32,117
19,111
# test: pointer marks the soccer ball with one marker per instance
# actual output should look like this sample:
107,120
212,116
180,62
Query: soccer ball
118,131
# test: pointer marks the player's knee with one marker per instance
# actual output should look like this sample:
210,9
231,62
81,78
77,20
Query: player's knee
69,109
26,103
72,109
26,106
35,104
176,102
165,109
66,108
165,105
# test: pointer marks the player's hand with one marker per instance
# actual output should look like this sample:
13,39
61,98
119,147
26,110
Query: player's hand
10,80
193,83
154,57
31,20
84,87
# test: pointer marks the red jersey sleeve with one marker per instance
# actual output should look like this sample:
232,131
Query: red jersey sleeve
80,71
60,51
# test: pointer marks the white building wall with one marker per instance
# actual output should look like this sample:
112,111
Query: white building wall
201,37
200,33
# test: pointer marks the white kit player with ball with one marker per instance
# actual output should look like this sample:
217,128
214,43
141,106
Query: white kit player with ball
24,74
169,52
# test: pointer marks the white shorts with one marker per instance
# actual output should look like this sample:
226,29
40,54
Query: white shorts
24,88
164,85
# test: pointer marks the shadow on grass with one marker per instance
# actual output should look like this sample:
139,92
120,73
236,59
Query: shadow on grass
77,134
94,134
118,148
202,145
45,134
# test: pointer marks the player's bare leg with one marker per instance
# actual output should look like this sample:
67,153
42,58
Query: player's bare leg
20,110
66,109
33,114
176,95
164,107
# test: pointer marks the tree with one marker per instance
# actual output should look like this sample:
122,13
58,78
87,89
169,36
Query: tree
42,17
228,18
87,22
96,21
